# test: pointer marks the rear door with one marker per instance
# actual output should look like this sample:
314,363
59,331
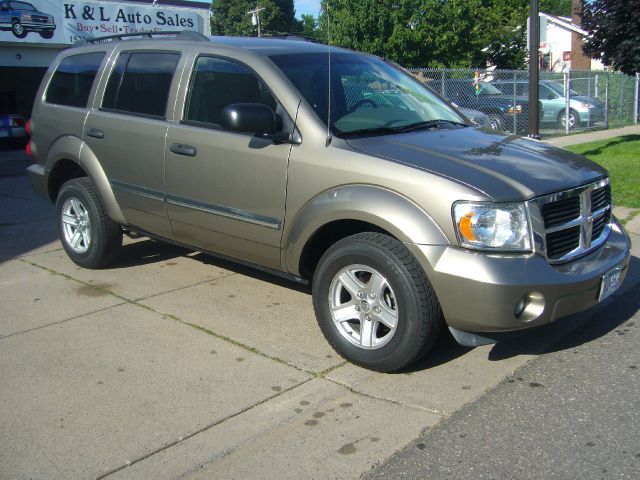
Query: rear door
226,191
128,131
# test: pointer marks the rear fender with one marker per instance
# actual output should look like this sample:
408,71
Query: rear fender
72,148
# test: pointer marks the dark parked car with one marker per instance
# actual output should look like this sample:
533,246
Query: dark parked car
12,129
22,18
500,108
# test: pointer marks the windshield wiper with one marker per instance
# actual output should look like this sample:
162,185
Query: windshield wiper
369,131
429,124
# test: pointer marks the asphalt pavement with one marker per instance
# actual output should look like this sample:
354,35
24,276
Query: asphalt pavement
571,413
171,364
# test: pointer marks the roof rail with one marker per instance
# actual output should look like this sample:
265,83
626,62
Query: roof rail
177,34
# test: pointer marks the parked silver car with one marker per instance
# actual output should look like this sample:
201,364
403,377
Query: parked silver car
325,166
583,110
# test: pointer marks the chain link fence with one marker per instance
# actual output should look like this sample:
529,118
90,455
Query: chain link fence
568,101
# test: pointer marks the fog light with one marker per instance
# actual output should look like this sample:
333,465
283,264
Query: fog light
530,307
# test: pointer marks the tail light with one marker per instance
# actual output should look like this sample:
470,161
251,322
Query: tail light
27,129
17,122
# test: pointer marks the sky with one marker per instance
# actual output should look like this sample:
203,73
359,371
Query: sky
308,7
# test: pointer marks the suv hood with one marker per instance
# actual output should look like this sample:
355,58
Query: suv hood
506,168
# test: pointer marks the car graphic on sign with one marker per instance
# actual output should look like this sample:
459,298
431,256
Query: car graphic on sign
22,18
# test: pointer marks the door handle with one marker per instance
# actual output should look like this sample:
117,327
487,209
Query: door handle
95,133
182,149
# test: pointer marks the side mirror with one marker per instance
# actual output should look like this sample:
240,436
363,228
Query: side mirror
255,118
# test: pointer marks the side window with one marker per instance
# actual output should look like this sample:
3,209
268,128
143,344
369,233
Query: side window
547,93
505,88
523,89
216,83
72,80
140,83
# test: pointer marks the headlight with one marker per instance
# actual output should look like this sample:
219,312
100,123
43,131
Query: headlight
25,17
514,110
492,226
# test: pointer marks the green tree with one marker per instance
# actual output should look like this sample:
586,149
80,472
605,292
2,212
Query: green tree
410,32
614,33
229,17
307,26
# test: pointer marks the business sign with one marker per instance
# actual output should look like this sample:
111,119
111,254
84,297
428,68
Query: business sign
65,22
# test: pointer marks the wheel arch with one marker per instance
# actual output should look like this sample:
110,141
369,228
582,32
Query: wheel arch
69,157
347,210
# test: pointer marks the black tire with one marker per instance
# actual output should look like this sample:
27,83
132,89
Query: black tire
18,30
79,199
574,119
496,122
418,313
46,34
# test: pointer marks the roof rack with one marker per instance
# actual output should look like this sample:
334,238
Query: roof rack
177,34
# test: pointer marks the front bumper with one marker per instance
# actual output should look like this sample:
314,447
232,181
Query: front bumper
39,27
594,114
484,292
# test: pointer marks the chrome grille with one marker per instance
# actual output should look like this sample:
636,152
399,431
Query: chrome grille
572,223
600,198
560,212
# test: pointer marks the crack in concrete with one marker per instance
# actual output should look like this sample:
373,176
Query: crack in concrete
201,430
387,400
184,287
22,332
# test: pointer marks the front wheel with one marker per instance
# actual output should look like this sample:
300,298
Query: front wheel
46,34
88,235
496,122
573,119
374,304
18,29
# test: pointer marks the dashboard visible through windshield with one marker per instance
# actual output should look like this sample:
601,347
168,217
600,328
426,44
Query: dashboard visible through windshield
363,95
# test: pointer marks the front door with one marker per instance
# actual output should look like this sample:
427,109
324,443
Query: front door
226,191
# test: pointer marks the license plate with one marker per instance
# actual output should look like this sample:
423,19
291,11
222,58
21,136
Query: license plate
610,282
4,132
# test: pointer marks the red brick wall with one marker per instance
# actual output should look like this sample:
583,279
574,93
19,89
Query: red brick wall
579,61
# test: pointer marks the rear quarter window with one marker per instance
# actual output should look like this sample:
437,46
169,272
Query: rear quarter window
71,82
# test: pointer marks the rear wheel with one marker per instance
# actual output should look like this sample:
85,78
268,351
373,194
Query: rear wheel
374,303
88,235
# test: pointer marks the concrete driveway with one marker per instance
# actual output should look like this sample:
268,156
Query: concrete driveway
174,365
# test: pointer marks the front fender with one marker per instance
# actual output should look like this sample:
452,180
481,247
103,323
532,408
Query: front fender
383,208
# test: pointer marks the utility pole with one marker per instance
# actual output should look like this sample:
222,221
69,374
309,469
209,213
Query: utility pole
255,17
534,69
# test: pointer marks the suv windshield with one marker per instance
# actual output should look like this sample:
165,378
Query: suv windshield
367,95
